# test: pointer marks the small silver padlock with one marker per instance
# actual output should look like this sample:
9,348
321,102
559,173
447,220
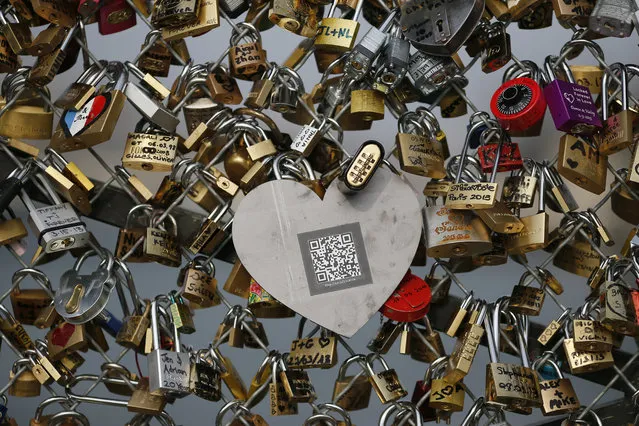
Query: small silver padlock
169,371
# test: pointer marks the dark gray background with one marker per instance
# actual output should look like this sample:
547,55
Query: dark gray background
151,279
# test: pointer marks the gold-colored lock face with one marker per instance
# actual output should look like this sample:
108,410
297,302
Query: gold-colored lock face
232,378
12,230
149,152
447,396
16,333
323,59
200,287
281,404
357,397
577,257
463,354
313,352
582,164
143,401
586,362
500,219
162,247
453,105
591,336
367,104
454,233
26,122
618,133
336,35
133,330
420,155
387,386
207,19
69,190
59,13
589,76
513,385
558,397
26,385
533,237
576,12
624,206
248,60
526,300
126,239
237,163
28,303
9,61
238,281
418,349
471,196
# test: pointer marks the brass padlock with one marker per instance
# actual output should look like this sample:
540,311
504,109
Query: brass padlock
557,395
582,164
357,397
385,383
526,300
28,303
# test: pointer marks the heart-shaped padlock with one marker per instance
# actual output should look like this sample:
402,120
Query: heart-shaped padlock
336,260
80,298
440,27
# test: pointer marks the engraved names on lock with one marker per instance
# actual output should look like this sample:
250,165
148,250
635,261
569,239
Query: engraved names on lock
420,152
148,152
514,381
313,352
589,331
452,226
160,242
305,140
469,194
555,398
449,391
175,373
247,53
529,298
203,285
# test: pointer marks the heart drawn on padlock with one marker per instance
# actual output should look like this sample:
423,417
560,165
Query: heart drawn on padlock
334,261
569,97
74,123
61,335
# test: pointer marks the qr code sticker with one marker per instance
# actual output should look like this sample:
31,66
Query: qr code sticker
335,258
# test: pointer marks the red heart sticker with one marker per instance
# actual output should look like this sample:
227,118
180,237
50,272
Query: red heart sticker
61,335
76,122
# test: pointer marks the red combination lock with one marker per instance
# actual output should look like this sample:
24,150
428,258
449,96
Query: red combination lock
410,301
519,105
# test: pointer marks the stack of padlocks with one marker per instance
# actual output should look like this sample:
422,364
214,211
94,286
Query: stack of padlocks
315,224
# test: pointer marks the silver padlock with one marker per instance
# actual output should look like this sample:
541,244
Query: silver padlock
234,8
612,18
440,28
429,74
396,56
58,227
150,108
80,298
169,371
369,47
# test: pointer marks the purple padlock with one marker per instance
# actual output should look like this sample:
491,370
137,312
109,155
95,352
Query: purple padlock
570,104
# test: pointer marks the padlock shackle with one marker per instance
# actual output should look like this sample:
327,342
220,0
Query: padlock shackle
605,83
40,277
347,363
327,406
